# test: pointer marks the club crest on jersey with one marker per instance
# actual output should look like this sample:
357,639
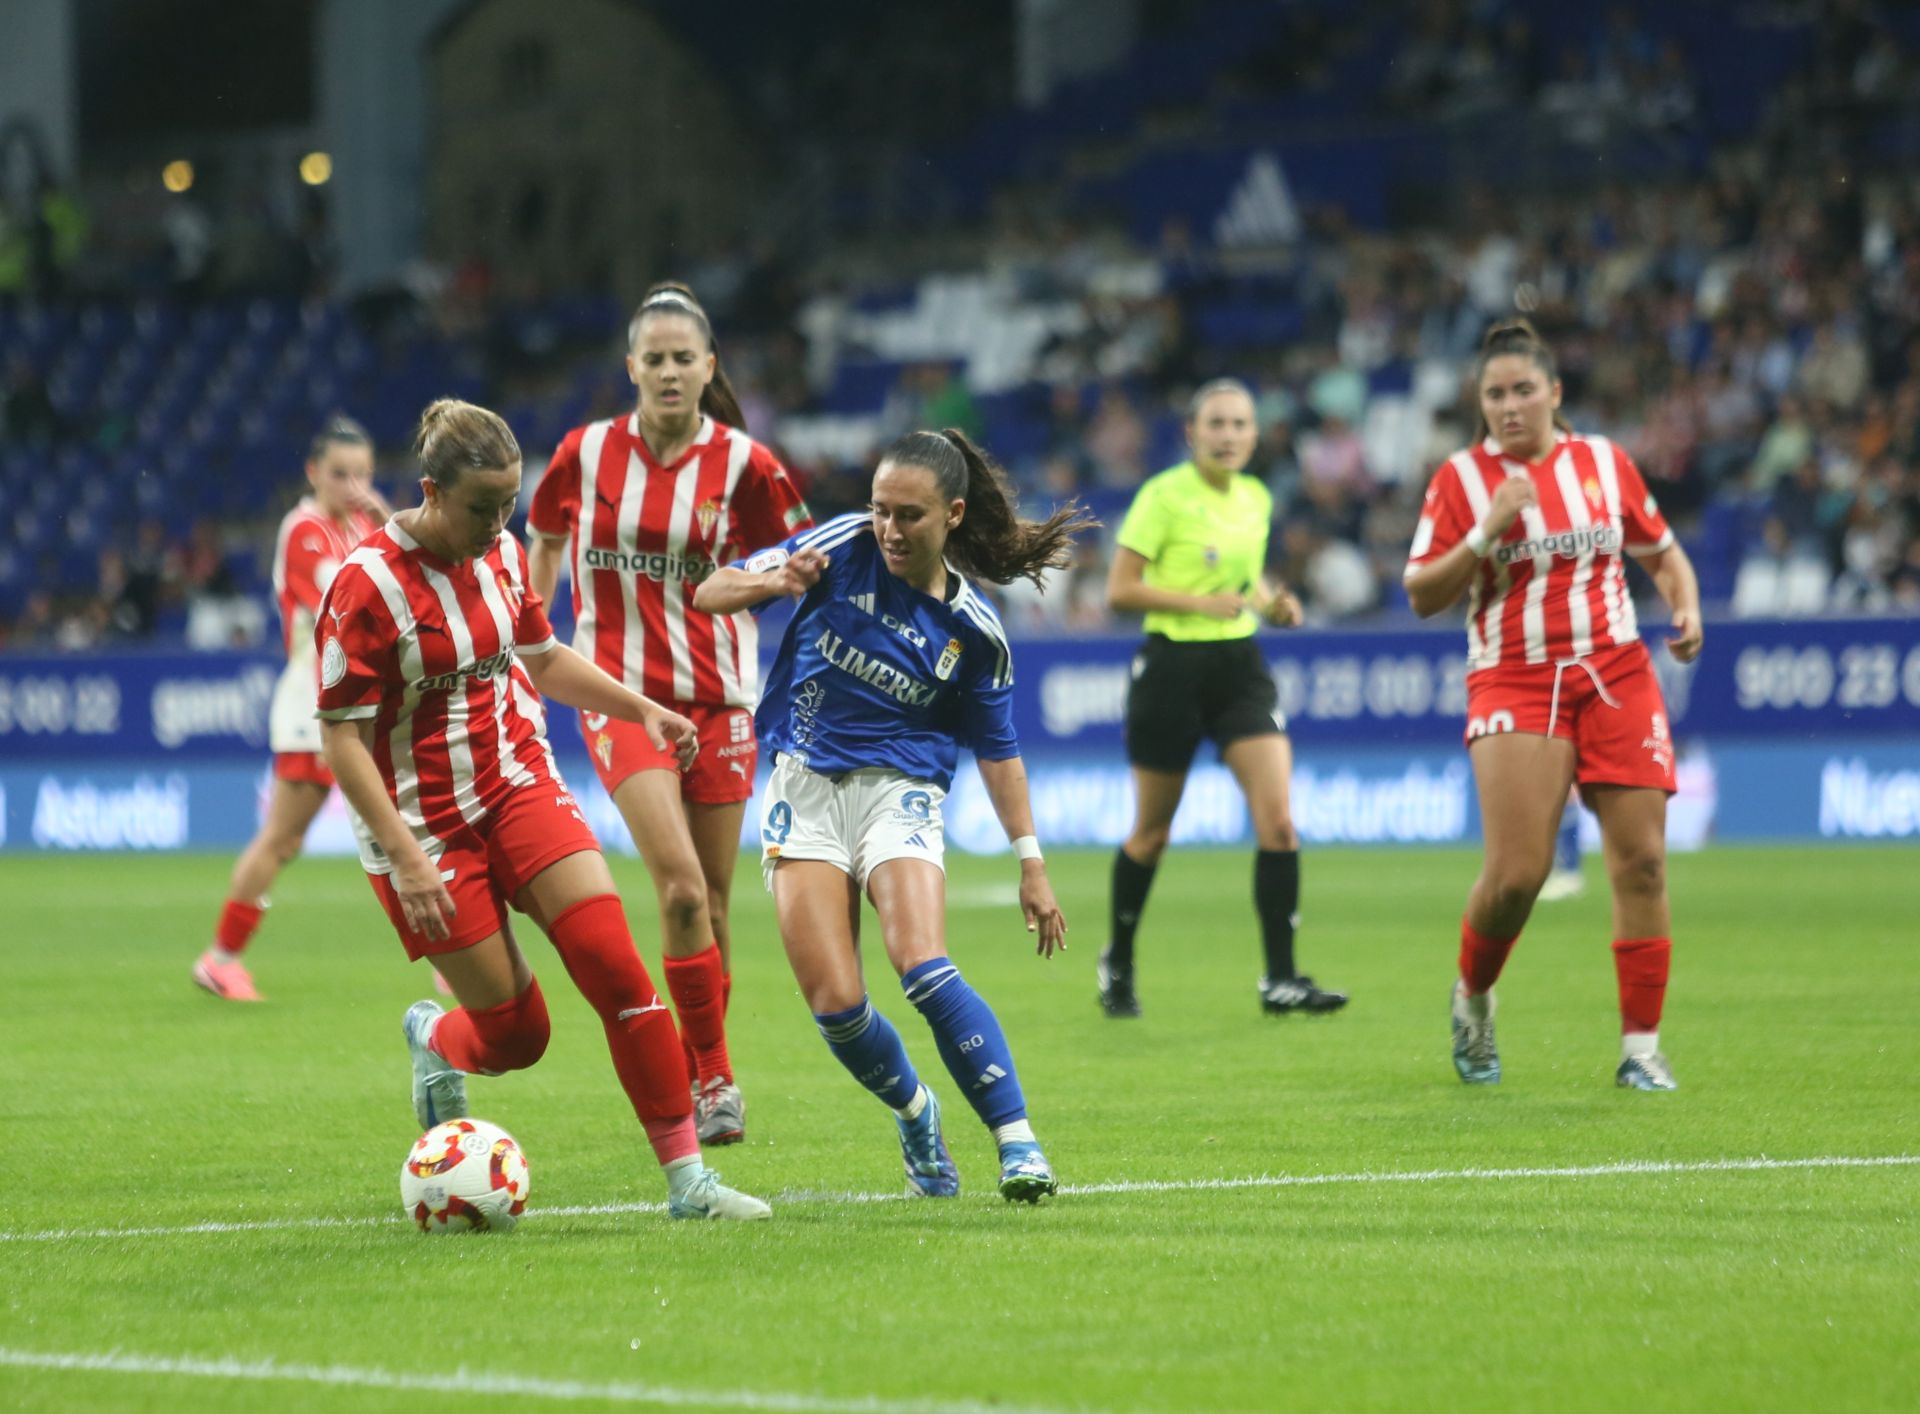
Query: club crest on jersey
707,513
508,592
1213,556
1592,487
949,660
603,748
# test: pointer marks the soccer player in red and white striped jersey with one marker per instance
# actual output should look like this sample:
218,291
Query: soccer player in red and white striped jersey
643,508
433,652
1532,524
315,538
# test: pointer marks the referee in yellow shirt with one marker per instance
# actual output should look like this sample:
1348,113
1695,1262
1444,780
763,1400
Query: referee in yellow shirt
1191,555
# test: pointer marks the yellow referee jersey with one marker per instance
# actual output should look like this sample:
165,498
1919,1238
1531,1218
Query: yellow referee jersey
1198,540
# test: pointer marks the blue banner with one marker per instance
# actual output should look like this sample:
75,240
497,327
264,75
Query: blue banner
1812,679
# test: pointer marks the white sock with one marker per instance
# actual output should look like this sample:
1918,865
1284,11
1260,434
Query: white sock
681,1174
912,1109
1638,1043
1479,1005
1016,1132
222,956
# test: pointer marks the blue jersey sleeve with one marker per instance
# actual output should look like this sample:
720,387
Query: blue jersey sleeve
986,711
824,538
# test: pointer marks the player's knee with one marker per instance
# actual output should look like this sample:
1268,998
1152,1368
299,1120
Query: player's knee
831,995
1512,885
285,848
718,922
1276,832
1147,843
1640,871
681,901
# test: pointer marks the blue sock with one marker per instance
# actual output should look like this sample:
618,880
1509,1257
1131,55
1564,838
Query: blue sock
1566,848
970,1040
866,1043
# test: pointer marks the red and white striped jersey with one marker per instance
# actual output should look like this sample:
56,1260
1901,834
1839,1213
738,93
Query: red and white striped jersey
1554,586
427,649
307,554
645,536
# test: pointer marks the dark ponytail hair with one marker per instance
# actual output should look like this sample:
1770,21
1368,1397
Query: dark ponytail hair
455,436
1514,336
718,401
337,431
991,542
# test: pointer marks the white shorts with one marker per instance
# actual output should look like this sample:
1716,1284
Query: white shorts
856,822
291,723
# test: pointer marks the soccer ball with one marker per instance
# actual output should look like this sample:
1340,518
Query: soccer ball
464,1176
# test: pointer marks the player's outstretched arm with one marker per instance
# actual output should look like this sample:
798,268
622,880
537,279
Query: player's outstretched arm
1006,783
573,681
348,748
730,590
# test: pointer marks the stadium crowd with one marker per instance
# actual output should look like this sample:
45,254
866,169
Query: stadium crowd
1745,321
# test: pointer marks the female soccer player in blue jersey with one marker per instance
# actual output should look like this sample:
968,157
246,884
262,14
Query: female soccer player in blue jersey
892,662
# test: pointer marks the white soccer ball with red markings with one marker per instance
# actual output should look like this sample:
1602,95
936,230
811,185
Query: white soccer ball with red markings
464,1176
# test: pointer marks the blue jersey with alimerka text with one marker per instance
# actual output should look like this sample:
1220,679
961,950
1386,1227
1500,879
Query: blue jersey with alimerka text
872,672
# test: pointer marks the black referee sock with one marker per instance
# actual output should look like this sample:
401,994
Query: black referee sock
1131,881
1276,894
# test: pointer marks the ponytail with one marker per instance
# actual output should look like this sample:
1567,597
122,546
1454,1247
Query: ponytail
1514,336
454,436
718,401
337,431
991,542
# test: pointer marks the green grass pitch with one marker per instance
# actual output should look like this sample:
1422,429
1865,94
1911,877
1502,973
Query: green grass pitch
1434,1267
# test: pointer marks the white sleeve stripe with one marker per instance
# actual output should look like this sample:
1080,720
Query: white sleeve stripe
1471,482
545,645
1003,667
348,714
1665,542
841,528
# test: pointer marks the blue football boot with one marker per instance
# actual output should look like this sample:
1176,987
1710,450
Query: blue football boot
923,1149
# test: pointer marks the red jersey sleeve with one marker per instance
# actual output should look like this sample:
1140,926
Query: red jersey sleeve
311,565
1445,518
356,642
556,500
1644,525
767,507
531,631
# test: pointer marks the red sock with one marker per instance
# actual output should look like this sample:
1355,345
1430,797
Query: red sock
1641,966
726,992
672,1138
236,925
494,1040
1481,957
594,942
699,1000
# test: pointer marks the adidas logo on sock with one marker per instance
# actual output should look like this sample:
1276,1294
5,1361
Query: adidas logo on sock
988,1076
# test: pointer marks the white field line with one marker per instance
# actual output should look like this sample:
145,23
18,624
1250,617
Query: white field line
1624,1168
481,1382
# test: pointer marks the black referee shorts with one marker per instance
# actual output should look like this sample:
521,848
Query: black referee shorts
1182,692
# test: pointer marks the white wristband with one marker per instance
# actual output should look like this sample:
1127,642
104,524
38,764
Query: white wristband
1478,541
1027,847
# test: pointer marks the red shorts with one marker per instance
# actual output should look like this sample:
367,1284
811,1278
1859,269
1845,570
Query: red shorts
722,774
307,766
484,866
1608,705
